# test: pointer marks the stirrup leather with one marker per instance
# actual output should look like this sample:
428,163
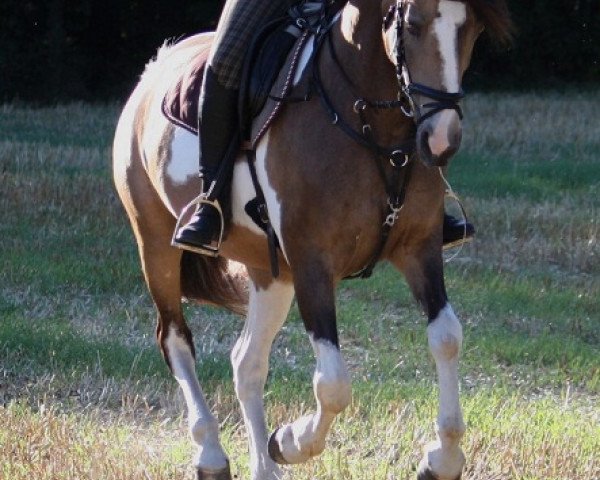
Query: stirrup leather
208,250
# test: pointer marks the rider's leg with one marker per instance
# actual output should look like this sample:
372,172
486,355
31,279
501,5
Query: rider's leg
218,126
218,116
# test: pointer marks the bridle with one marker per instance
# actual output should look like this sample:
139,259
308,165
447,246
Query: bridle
399,156
441,100
407,88
394,163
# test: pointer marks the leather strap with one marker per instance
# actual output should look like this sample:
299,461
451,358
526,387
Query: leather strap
264,214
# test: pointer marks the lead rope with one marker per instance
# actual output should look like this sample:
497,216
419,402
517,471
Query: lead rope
452,194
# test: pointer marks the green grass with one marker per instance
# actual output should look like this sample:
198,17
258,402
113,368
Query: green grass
84,392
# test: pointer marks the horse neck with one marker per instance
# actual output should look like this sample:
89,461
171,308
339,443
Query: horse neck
358,43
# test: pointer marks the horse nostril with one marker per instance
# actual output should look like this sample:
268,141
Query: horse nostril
456,139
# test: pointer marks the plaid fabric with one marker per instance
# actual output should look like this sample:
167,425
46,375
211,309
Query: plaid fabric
240,20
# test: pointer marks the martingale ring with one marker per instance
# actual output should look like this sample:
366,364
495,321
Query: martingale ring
399,154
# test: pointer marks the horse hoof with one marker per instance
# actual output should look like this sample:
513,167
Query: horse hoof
222,474
426,474
275,451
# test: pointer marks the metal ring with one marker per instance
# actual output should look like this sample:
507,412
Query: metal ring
407,113
396,153
359,105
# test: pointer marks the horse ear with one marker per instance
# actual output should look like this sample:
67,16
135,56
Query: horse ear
496,19
389,17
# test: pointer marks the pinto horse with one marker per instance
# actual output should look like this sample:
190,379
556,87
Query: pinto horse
326,170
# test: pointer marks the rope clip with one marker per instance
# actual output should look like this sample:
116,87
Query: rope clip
395,208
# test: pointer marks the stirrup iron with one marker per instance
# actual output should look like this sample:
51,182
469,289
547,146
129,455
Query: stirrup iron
207,250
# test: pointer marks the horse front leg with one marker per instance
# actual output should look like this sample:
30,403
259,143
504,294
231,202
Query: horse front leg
269,304
305,438
443,459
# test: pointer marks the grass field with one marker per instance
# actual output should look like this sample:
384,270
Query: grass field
84,393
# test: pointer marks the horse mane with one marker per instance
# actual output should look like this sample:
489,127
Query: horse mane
495,17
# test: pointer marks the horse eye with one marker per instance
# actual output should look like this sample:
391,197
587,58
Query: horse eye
413,29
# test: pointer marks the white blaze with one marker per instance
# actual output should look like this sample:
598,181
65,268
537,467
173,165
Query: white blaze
452,15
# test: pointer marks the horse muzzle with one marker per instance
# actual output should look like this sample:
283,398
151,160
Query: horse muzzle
438,138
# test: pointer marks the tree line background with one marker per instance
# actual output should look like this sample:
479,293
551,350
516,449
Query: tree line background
94,50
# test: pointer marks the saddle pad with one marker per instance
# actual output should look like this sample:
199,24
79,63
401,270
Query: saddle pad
280,90
180,103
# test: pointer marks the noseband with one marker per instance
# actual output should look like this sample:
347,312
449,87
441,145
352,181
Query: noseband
442,100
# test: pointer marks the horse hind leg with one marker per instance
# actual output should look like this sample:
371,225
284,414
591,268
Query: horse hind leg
153,225
305,438
270,302
443,458
175,340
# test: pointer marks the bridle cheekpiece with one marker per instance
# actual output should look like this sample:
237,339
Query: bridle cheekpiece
442,100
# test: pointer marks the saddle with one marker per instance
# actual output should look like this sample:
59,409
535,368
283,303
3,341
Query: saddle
267,73
267,80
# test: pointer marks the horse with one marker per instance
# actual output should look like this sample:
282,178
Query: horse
357,161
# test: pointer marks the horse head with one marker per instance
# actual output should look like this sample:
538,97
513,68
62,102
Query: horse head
430,43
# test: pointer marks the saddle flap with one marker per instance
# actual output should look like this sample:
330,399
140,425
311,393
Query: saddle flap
264,62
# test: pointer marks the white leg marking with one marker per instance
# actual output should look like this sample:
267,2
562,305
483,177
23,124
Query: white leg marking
250,359
444,456
331,381
204,427
183,163
305,438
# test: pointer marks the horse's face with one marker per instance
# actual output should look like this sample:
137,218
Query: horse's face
437,40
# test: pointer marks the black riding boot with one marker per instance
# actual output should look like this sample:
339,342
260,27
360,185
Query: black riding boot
456,231
219,142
